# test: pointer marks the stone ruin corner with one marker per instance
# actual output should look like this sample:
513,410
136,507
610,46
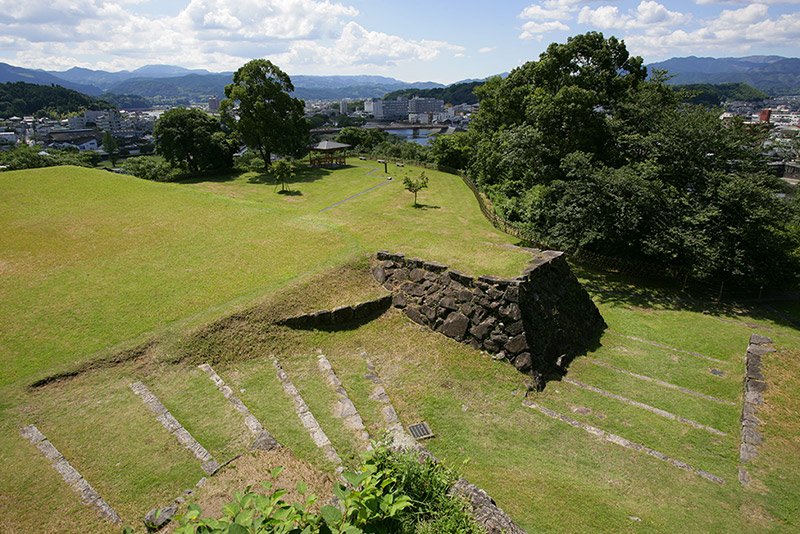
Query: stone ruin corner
537,321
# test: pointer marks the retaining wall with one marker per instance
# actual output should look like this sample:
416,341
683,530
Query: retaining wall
531,320
341,316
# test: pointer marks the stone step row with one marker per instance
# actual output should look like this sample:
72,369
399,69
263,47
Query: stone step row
344,409
71,476
619,440
172,425
754,387
661,383
400,438
484,509
643,406
310,422
263,439
669,348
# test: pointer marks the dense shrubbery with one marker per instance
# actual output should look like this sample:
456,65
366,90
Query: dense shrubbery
150,168
591,155
391,492
27,157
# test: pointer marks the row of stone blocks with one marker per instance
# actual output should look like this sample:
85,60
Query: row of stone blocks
342,315
530,320
754,387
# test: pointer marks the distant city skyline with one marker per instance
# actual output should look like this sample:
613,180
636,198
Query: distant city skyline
411,40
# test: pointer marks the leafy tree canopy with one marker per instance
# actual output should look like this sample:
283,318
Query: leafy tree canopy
260,108
592,155
192,138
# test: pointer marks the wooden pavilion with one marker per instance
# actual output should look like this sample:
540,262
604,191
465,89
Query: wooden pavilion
328,154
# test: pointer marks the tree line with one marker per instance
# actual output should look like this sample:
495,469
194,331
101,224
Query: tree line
21,99
589,153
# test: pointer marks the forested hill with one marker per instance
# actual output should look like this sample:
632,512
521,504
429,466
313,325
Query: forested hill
458,93
715,95
775,75
20,98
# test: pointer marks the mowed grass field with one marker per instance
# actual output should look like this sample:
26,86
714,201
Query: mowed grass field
90,259
93,262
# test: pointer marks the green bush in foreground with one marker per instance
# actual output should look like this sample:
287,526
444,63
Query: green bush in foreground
391,492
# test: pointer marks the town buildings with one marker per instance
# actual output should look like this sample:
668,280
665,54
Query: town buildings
403,108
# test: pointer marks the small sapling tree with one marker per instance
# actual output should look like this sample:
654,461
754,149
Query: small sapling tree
283,170
415,185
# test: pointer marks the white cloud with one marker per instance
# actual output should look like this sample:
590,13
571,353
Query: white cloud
280,19
214,34
732,32
648,14
535,29
487,49
358,47
550,10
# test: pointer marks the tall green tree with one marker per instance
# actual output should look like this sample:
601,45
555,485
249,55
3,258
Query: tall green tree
560,103
592,155
454,150
194,139
260,108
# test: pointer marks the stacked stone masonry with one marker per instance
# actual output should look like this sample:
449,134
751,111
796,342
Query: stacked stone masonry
754,387
531,320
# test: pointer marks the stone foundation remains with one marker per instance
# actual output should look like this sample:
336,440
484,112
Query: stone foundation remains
533,320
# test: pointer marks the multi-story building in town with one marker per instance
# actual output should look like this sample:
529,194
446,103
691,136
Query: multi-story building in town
387,110
401,108
425,105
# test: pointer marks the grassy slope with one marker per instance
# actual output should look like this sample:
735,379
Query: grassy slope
90,259
549,476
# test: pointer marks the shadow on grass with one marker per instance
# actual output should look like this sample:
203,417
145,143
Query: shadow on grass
614,288
425,207
211,176
291,192
304,175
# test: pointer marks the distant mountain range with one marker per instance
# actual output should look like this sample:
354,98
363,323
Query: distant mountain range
168,82
10,73
775,75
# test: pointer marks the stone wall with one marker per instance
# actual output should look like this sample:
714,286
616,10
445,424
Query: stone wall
531,320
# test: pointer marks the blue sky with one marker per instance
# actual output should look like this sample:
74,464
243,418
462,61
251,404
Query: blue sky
412,40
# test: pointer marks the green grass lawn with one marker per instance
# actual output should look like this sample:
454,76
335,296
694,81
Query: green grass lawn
91,259
91,262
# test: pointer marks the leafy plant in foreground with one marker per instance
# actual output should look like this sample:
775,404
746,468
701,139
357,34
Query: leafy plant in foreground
391,492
